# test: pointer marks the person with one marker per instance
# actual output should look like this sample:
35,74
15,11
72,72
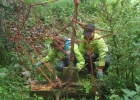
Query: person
60,53
95,48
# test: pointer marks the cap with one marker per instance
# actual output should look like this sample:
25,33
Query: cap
89,29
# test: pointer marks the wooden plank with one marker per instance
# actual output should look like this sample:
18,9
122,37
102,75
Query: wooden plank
46,90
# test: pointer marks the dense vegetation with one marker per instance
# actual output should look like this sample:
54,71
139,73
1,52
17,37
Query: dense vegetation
120,16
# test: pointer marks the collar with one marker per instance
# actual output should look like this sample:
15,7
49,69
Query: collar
89,39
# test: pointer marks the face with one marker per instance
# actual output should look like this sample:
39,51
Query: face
89,37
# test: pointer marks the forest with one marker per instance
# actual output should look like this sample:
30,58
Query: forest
26,29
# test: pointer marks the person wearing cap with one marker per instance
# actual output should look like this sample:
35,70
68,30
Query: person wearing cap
94,49
60,54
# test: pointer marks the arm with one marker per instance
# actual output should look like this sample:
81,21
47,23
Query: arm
101,50
79,57
101,46
50,56
81,47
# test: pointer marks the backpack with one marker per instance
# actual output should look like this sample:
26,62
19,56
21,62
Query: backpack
67,43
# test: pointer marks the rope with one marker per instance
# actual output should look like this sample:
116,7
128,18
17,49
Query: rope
92,70
17,38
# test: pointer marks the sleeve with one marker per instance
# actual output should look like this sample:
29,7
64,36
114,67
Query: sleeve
79,57
81,47
101,51
50,56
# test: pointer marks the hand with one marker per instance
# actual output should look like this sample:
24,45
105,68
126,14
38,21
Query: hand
100,73
38,64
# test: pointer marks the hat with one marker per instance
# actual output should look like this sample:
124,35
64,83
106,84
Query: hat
89,29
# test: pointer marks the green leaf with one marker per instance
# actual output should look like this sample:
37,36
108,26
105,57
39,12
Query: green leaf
115,97
3,70
125,97
28,1
137,87
129,93
137,97
96,97
2,89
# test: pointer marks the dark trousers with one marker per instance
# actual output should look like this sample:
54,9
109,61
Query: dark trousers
65,63
95,58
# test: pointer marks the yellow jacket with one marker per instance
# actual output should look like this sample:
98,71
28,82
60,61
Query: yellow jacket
55,56
96,46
